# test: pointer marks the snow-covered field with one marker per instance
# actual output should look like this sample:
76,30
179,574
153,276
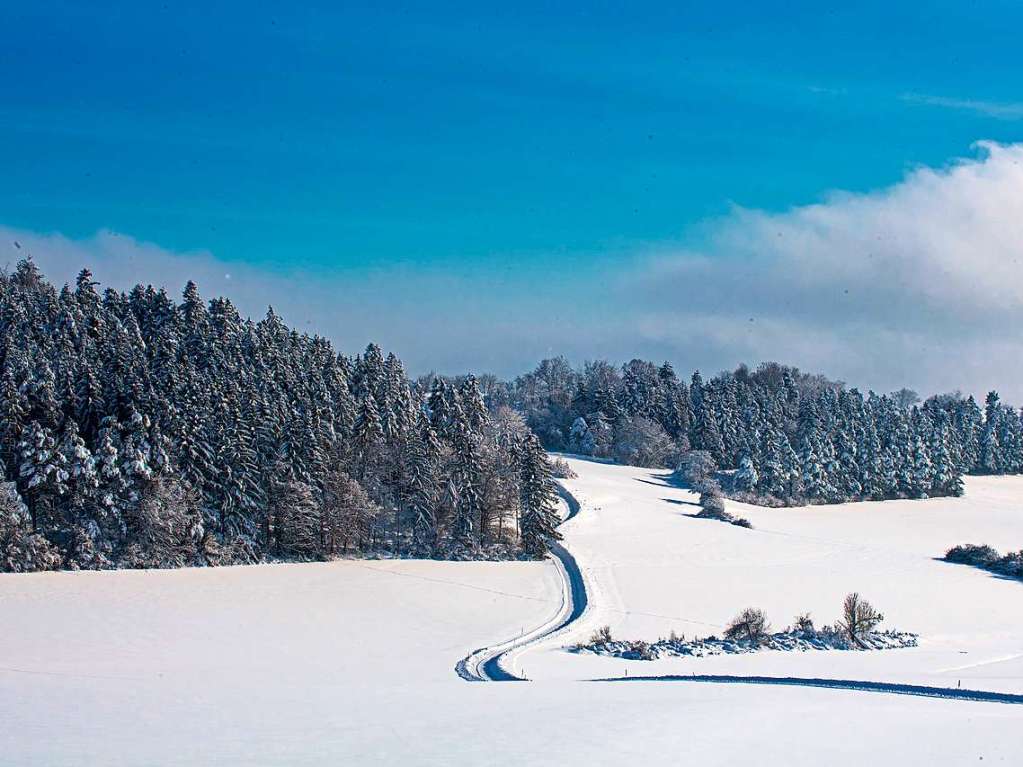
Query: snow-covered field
652,569
353,662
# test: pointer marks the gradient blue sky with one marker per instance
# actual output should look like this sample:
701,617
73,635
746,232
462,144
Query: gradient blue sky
526,152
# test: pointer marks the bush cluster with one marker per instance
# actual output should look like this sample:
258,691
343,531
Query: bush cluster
985,557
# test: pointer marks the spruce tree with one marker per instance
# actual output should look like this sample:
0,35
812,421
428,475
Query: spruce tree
538,518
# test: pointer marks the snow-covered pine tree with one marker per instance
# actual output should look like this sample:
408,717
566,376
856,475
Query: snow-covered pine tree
538,517
746,476
772,477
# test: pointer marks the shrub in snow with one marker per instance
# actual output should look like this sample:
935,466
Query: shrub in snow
859,617
972,554
803,623
1010,564
601,636
751,625
750,632
639,650
694,468
640,441
561,470
713,506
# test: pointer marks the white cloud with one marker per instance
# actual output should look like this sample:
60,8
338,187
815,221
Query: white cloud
920,283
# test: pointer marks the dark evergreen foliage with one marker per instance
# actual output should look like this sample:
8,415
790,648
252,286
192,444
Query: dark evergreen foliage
791,437
138,431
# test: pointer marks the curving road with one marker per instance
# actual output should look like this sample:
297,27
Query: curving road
485,664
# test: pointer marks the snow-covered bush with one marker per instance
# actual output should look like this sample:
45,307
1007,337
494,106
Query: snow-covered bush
1010,564
713,507
751,625
972,554
561,470
695,468
749,632
639,650
640,441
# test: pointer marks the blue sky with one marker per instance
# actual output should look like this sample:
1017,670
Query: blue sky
497,160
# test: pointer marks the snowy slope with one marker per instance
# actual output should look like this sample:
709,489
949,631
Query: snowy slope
652,568
353,662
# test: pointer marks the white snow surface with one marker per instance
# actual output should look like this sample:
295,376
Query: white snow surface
353,662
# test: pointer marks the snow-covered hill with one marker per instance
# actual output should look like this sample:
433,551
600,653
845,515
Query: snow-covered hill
353,662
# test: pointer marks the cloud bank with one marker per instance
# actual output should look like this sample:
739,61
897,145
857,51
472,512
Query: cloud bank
919,284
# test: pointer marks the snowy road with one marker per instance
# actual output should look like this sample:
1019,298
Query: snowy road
495,663
954,693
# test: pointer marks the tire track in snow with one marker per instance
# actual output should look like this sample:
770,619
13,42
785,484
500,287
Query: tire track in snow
484,664
952,693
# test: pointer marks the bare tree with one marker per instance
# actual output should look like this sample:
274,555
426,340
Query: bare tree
296,521
349,514
751,624
165,525
859,618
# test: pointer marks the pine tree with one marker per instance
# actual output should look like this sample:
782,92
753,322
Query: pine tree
537,499
772,478
43,474
421,493
815,480
947,479
708,437
922,469
746,477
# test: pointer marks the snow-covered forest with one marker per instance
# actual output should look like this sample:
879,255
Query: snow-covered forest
137,431
141,431
792,437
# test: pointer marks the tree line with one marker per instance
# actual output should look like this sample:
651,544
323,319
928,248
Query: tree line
790,437
140,431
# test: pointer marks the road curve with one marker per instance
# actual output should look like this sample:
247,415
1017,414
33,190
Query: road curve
485,664
954,693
